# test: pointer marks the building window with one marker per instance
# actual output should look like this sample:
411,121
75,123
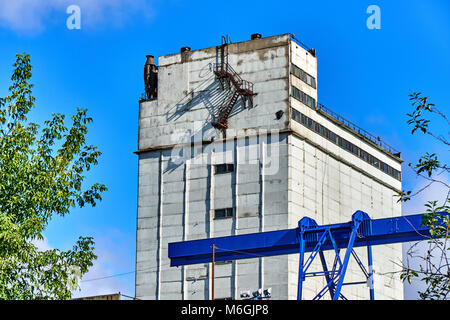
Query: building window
374,161
364,155
224,262
223,213
223,168
344,144
296,115
302,75
303,97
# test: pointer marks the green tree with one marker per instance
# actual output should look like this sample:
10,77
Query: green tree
42,169
434,266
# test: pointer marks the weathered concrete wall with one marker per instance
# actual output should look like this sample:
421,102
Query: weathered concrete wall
303,59
328,184
329,191
177,202
189,94
308,63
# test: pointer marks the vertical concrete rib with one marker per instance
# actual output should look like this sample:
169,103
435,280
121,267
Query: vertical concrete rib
235,206
185,219
210,209
137,230
160,217
262,145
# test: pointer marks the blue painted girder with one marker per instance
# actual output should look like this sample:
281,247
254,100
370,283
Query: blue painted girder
272,243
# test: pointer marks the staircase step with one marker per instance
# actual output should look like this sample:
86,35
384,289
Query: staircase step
241,87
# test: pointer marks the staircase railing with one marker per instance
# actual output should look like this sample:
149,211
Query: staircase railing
243,86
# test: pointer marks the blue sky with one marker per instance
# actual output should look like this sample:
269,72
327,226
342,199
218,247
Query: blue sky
364,75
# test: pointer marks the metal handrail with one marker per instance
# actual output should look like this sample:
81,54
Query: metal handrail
368,135
243,84
304,46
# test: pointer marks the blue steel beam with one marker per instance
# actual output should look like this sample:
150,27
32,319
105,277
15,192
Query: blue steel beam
371,232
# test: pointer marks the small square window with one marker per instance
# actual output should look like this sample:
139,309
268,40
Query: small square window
223,213
224,168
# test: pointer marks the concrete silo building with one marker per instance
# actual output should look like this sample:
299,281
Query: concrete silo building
232,140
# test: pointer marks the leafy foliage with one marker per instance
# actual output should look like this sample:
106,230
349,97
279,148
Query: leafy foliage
41,175
434,269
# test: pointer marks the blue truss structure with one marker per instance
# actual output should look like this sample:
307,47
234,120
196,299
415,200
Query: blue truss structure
361,231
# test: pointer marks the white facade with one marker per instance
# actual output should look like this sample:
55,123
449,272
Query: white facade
277,178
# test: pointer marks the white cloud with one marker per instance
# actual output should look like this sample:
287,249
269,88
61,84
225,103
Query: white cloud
36,15
42,245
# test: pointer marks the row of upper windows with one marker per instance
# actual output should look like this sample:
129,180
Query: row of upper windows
302,75
303,97
344,144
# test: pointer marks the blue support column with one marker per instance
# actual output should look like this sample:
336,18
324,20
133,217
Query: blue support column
328,278
357,218
301,275
344,265
370,262
303,225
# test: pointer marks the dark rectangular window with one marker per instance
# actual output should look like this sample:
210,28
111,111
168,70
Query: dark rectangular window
355,150
341,142
224,168
344,144
223,213
305,77
304,118
317,128
364,155
374,161
303,97
296,115
332,137
384,167
394,173
322,131
224,262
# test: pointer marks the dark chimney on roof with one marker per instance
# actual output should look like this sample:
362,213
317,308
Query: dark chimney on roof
150,78
256,36
150,60
185,49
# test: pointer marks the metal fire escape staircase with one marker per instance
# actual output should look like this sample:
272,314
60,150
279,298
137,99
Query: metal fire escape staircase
226,75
